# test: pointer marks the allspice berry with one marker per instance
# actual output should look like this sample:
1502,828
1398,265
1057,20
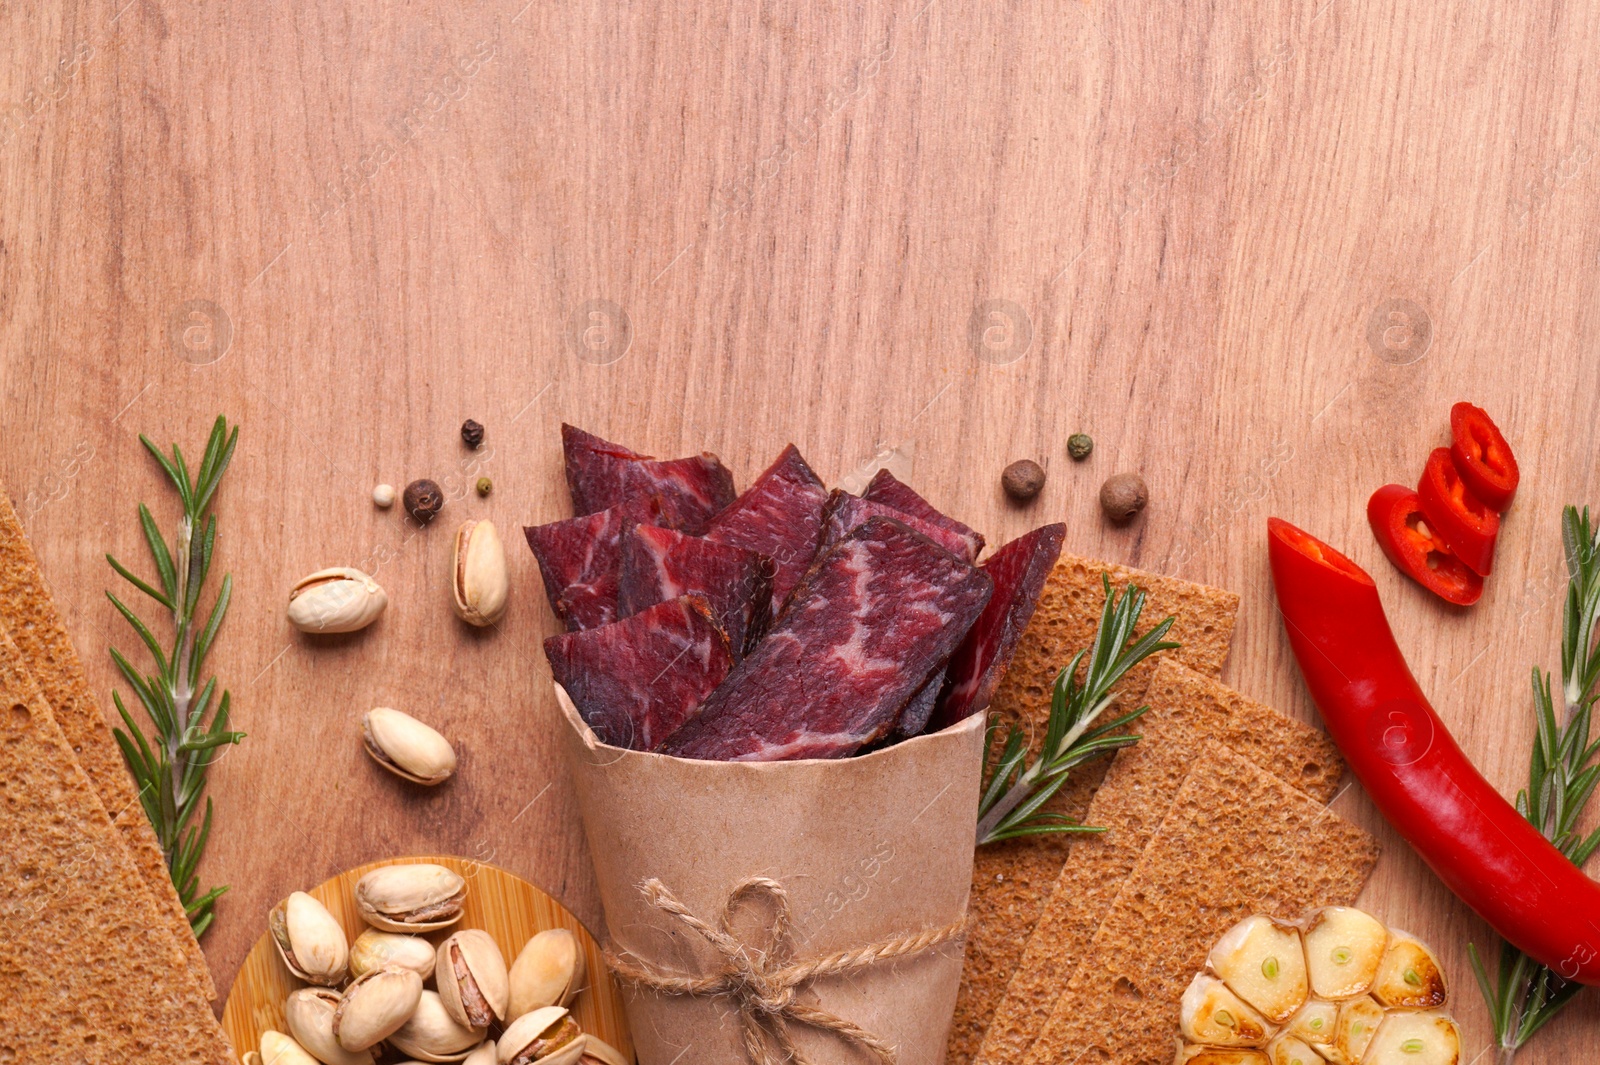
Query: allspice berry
1022,480
472,434
1123,496
1079,445
485,486
423,499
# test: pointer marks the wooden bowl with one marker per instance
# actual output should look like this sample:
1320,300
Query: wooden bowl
509,908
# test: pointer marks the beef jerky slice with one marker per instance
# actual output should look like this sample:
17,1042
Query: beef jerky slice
660,564
914,718
845,511
578,559
781,517
863,632
677,493
636,681
889,490
1018,570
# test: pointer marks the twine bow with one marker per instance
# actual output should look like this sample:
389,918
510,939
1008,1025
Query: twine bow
763,986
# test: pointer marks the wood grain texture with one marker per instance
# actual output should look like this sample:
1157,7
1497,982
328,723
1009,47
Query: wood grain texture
507,907
1196,218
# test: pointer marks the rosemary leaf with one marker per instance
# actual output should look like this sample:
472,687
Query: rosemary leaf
169,765
1015,790
1526,996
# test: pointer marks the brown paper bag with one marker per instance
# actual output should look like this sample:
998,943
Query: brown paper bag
867,849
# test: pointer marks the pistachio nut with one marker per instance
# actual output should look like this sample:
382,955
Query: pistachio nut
377,950
597,1051
410,898
340,599
548,971
548,1036
433,1035
279,1049
482,580
309,939
406,747
310,1012
470,973
374,1005
482,1054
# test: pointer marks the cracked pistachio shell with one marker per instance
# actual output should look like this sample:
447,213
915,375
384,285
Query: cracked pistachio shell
279,1049
310,940
374,1006
470,973
548,971
433,1035
596,1051
482,580
548,1036
340,599
410,898
406,747
309,1013
375,949
482,1054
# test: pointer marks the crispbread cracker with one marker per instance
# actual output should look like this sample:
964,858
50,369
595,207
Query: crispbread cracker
92,972
33,623
1011,881
1187,709
1236,841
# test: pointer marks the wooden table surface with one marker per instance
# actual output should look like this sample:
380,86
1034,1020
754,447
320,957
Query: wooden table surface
1255,250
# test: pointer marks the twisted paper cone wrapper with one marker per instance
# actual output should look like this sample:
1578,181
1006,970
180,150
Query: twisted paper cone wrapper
815,907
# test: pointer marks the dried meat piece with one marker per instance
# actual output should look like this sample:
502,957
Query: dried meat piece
578,559
889,490
677,493
914,718
1018,570
781,517
636,681
661,564
862,634
845,511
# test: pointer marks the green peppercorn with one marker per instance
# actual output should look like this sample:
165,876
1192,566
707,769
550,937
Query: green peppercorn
1079,445
485,486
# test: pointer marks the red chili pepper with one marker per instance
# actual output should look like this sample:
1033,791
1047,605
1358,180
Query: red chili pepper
1483,850
1396,517
1482,456
1456,516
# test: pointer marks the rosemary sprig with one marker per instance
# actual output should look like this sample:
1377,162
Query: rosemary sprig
1015,790
170,770
1562,776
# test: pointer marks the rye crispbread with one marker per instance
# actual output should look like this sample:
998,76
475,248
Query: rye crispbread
1012,881
31,619
92,973
1237,841
1187,709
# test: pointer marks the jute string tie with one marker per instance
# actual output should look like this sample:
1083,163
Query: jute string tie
762,983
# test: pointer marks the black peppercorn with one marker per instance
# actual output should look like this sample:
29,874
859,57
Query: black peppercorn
1079,445
1023,479
423,500
472,434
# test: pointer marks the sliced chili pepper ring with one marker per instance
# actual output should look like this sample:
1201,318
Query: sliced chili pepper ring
1482,456
1457,517
1395,513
